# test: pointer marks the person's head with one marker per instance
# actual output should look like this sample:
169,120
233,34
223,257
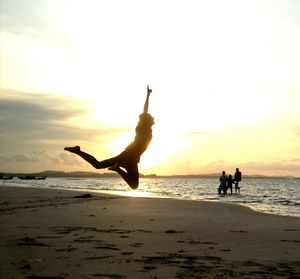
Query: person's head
237,169
223,172
230,176
147,118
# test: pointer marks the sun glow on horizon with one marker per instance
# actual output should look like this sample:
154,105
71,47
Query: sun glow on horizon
162,148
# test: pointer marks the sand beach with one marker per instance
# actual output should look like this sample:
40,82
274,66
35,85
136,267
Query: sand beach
47,233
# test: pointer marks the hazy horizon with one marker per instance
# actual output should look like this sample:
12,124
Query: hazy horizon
105,173
224,75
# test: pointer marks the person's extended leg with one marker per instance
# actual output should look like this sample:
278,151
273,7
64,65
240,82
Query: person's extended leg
131,176
92,160
236,187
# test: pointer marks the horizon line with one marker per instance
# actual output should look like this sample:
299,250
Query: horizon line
53,173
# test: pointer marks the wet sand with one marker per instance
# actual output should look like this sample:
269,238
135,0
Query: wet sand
54,234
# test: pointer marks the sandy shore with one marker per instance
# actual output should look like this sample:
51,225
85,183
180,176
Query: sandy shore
51,234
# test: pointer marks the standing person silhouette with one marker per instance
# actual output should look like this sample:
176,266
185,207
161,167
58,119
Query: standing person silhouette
223,183
126,163
230,181
237,179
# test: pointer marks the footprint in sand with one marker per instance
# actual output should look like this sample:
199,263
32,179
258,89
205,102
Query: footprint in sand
28,241
138,244
173,231
288,240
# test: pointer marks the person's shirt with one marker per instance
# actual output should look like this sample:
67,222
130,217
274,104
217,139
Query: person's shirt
143,135
223,179
229,182
238,176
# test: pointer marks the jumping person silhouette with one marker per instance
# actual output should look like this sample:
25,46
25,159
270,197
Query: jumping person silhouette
130,157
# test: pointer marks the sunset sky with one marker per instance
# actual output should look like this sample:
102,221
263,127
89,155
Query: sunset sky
225,77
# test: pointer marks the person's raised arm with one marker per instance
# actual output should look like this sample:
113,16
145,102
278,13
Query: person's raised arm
146,105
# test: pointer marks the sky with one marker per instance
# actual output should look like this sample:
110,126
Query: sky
224,75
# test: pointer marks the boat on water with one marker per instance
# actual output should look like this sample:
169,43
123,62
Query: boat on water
24,177
5,177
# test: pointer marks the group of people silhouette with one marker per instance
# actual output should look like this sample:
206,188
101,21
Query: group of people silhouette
226,182
126,163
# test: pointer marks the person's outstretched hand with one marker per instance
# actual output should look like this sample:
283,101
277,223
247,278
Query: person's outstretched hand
148,90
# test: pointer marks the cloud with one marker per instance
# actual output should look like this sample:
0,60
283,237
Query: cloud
16,14
27,19
23,158
35,118
27,118
285,167
34,128
5,159
45,158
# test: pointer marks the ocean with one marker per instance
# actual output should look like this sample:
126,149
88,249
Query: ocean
280,196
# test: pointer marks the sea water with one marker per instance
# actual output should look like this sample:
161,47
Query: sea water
268,195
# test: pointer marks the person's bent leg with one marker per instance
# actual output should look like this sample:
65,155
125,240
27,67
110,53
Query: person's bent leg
131,177
91,159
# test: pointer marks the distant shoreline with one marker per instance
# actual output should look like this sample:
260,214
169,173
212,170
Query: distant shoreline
82,174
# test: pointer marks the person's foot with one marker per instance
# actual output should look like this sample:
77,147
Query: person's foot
115,167
72,149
